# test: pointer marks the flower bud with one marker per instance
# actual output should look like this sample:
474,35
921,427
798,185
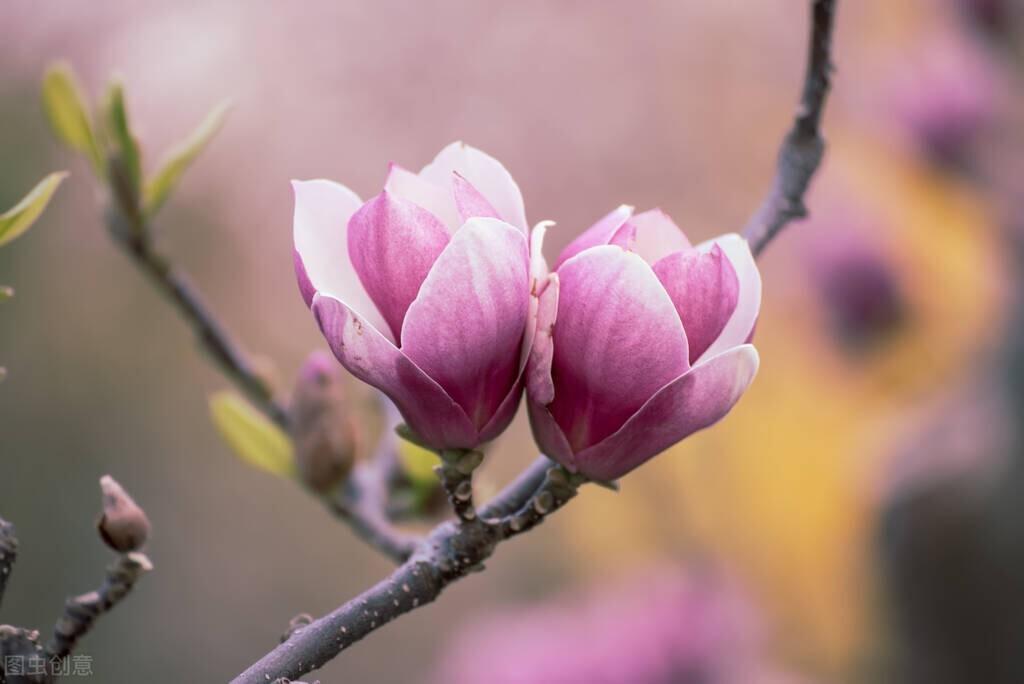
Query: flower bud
321,425
124,526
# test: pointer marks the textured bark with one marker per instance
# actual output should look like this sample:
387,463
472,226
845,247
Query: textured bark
803,147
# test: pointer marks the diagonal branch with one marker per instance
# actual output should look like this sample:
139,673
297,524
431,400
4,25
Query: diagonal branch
803,147
224,351
81,612
454,549
362,503
129,226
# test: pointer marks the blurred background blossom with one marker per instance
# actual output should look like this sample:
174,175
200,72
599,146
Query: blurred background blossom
885,312
661,625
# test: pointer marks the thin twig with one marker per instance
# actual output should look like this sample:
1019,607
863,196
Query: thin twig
555,490
362,503
81,612
22,659
211,334
130,228
363,500
803,147
454,549
8,554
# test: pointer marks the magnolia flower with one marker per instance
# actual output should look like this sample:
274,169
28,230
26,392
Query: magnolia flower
641,341
424,290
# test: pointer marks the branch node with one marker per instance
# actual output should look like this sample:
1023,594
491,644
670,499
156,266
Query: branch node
803,147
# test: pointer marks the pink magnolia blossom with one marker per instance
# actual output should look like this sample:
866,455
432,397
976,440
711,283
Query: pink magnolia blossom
424,290
641,341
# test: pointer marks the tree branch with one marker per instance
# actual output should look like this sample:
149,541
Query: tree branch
211,334
803,147
23,660
455,549
515,495
362,503
81,612
131,229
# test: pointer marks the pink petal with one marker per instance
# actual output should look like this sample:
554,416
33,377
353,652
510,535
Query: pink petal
437,198
505,412
538,272
617,341
601,233
486,174
657,236
549,435
424,405
393,243
538,278
538,368
306,287
704,288
697,400
467,324
469,201
624,237
741,324
538,264
320,232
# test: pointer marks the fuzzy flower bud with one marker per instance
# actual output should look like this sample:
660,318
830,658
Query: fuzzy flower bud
123,526
321,425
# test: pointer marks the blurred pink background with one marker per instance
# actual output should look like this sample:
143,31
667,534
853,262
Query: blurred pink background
680,105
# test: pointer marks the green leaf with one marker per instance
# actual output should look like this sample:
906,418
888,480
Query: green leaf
68,112
22,215
418,463
252,436
120,132
160,186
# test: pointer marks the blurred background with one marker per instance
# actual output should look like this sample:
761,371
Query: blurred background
856,517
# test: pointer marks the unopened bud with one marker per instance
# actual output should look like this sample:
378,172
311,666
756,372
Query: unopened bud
124,526
321,425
